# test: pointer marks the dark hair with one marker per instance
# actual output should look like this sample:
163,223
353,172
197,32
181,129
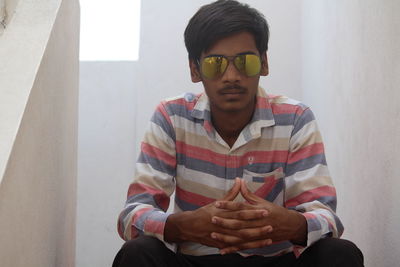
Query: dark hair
221,19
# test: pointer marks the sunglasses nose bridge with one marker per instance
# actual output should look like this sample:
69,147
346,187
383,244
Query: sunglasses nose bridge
231,71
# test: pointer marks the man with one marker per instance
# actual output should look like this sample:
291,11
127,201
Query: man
248,169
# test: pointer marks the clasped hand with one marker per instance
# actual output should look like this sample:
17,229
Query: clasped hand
233,226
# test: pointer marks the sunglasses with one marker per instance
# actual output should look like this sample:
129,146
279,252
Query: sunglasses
215,65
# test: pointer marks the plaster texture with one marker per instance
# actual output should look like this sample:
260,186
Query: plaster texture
351,75
7,10
117,100
32,25
2,15
339,57
38,134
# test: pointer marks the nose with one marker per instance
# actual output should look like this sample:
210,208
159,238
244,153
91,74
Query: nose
231,73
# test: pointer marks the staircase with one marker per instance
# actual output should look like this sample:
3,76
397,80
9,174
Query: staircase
38,131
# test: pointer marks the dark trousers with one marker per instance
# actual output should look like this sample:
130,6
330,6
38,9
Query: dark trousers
149,251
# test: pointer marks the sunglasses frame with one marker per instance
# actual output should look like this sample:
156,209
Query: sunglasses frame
229,60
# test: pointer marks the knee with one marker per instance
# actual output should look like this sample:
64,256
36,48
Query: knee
336,246
138,252
142,245
335,252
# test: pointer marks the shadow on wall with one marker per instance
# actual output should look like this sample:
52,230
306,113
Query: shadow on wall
3,16
7,9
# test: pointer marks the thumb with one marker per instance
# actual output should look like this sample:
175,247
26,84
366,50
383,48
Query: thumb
248,195
231,195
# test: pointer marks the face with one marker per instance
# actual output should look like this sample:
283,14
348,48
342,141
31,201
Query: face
232,91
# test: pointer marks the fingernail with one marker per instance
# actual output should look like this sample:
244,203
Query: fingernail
217,204
214,220
214,235
265,213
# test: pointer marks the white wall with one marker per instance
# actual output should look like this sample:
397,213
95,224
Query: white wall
7,10
38,114
2,15
117,100
107,141
351,77
339,57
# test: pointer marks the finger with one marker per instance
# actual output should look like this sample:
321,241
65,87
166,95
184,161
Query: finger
231,195
254,233
228,240
248,195
234,206
235,224
247,245
211,242
248,234
244,214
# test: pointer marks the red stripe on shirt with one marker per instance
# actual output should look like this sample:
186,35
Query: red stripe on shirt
160,108
306,152
263,103
208,126
155,152
183,102
152,226
311,195
229,161
331,227
286,109
193,198
159,196
137,188
269,183
309,215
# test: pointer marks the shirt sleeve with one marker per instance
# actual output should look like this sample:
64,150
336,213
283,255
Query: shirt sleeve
154,181
308,185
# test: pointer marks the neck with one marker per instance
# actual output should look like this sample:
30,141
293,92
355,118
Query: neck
229,125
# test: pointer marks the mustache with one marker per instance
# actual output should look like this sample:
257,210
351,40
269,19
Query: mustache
232,87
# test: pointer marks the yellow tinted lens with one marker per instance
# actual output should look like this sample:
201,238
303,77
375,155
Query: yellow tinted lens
248,64
214,66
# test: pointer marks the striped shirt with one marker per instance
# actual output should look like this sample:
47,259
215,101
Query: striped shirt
279,154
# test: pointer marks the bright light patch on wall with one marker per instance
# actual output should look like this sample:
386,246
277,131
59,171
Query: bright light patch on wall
110,30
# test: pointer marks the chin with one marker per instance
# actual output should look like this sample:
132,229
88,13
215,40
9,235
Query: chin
233,107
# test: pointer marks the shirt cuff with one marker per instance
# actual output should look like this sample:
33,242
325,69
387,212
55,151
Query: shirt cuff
315,231
154,226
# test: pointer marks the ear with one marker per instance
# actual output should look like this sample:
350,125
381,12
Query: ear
194,71
264,65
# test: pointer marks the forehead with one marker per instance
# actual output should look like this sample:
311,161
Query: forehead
232,45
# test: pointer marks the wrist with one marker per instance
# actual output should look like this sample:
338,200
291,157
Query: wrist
173,227
299,235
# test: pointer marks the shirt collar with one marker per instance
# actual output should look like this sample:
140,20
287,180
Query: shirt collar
262,117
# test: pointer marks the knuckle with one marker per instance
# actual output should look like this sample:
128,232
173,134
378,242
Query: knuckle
264,230
267,242
222,238
237,224
241,205
246,234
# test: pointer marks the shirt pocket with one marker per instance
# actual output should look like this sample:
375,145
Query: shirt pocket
268,186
